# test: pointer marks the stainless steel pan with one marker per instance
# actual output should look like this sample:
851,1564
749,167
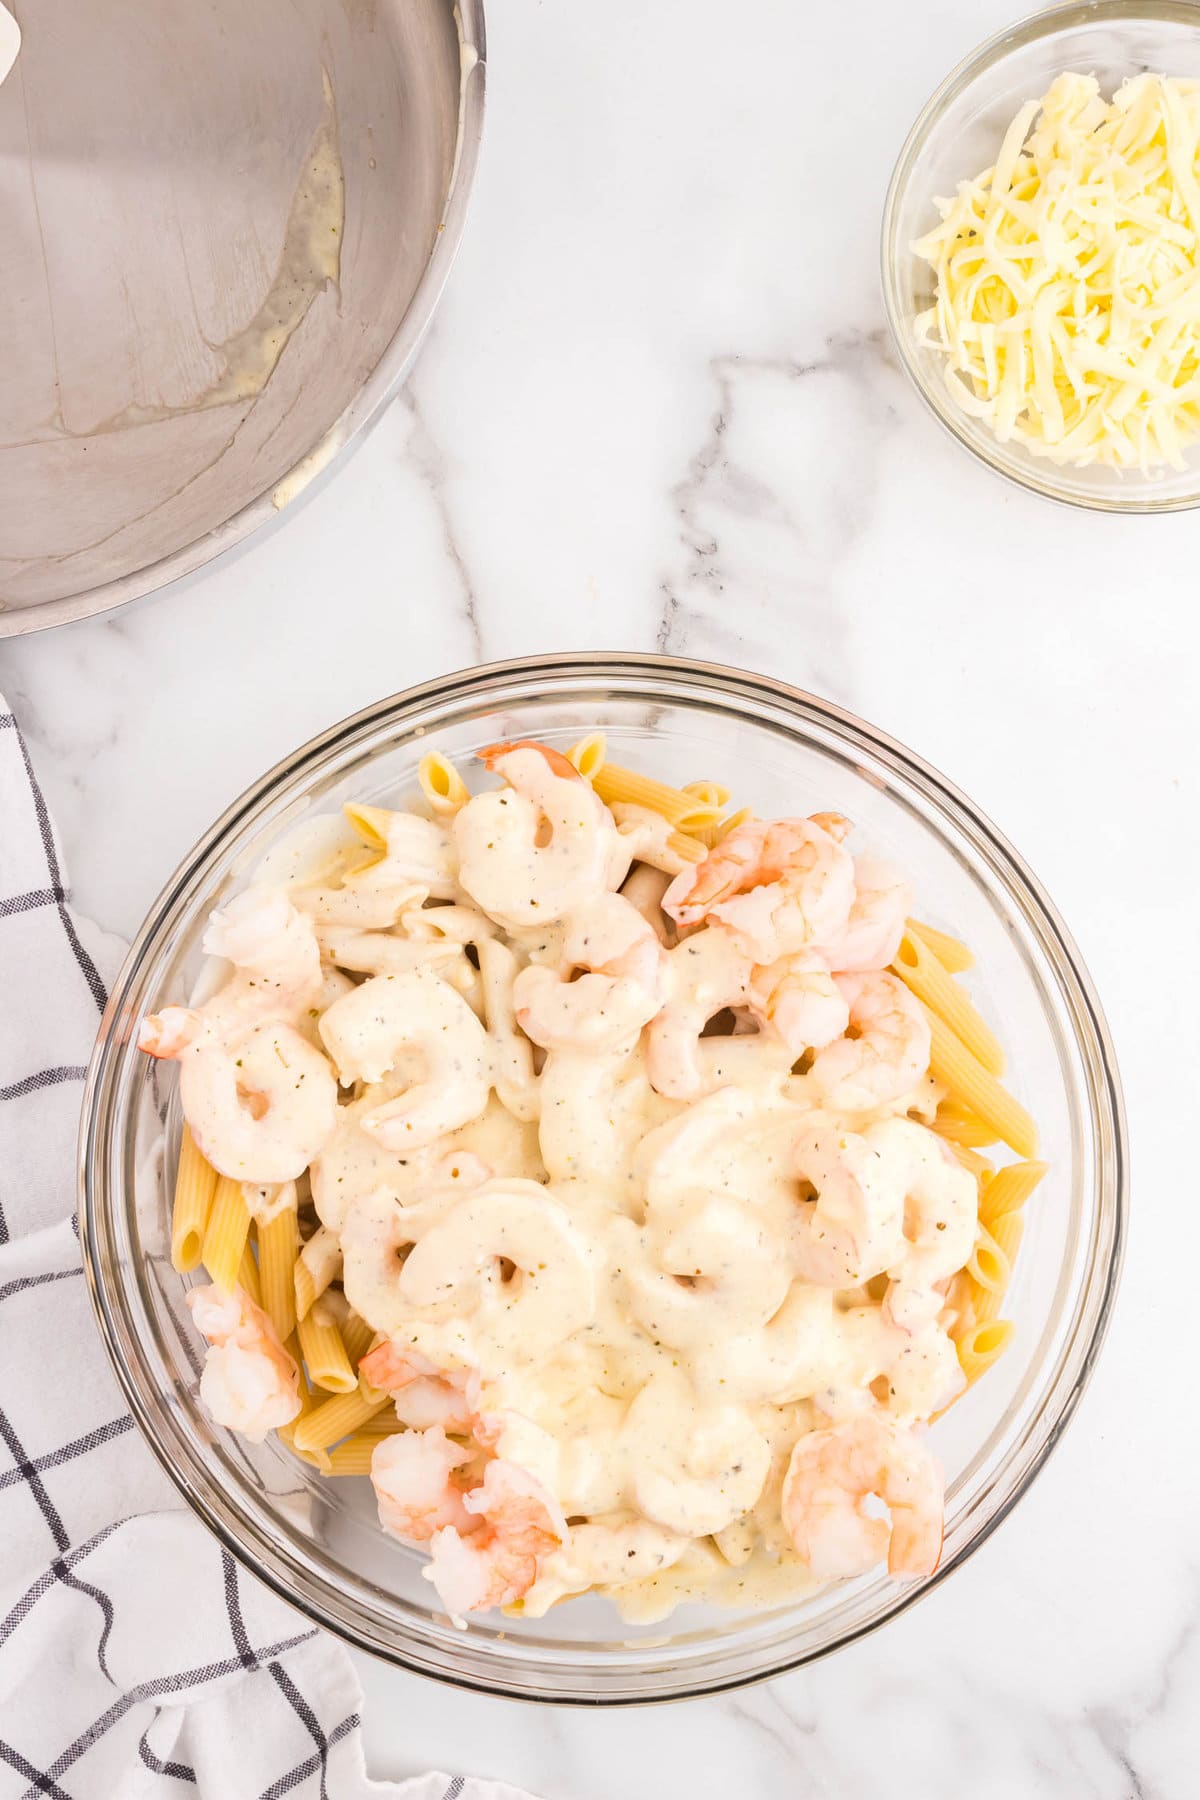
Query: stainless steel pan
224,230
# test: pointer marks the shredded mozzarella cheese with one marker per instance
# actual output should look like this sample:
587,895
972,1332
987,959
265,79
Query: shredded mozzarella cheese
1068,277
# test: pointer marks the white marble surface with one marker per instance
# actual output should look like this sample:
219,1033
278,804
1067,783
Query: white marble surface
659,409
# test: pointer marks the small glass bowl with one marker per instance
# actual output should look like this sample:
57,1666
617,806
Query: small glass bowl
317,1542
959,133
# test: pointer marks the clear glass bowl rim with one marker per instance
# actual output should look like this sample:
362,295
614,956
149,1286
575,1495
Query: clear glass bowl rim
1055,18
661,678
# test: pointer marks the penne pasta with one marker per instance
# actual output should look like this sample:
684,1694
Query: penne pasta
319,1263
382,1424
226,1233
988,1264
1008,1190
979,1347
278,1246
712,835
684,845
709,793
733,823
249,1279
959,1126
953,955
1007,1232
358,1338
315,1457
354,1456
369,860
970,1159
921,972
442,785
334,1419
616,785
304,1289
324,1351
725,826
370,822
977,1089
982,1304
308,1400
588,755
195,1185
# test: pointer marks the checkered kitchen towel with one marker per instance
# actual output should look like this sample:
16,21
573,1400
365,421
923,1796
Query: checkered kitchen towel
136,1658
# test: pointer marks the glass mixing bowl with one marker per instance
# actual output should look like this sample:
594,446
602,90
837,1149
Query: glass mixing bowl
317,1542
957,135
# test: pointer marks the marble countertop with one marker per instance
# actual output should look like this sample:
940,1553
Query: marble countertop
659,409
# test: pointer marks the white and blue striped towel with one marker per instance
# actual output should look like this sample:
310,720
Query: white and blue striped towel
136,1659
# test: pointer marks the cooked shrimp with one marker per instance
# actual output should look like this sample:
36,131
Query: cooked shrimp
595,1109
792,1000
456,1268
924,1376
260,1108
424,1394
354,1164
674,1161
605,1008
377,1233
889,1053
836,824
521,1522
831,1476
940,1219
871,935
367,1031
811,1349
851,1221
799,997
706,973
601,1554
538,849
261,932
432,1400
277,974
167,1034
249,1383
697,1464
416,1485
388,1368
462,1169
780,887
714,1270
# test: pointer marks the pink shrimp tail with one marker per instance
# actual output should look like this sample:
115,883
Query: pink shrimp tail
916,1544
169,1033
727,870
837,825
385,1368
555,760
